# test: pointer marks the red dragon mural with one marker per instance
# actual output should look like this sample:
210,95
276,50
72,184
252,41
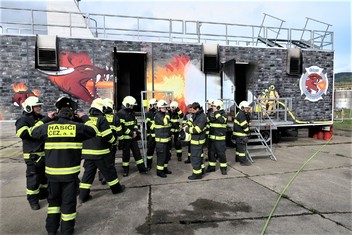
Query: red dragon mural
22,93
79,77
315,83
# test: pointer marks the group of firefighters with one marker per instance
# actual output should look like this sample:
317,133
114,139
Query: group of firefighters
54,145
267,101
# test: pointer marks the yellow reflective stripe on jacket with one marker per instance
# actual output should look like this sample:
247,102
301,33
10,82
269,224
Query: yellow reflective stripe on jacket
130,123
218,125
95,151
62,171
54,210
197,142
21,130
92,125
162,140
214,137
106,132
62,145
27,155
68,217
160,126
242,123
239,134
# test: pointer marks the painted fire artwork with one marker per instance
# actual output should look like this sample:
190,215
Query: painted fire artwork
22,93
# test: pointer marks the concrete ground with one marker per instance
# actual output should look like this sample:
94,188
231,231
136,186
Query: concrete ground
319,200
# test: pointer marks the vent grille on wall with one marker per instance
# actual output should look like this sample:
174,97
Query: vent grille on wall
47,57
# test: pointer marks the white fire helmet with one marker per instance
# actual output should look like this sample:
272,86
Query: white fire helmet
218,104
129,101
29,103
109,103
174,105
152,102
162,104
244,104
99,104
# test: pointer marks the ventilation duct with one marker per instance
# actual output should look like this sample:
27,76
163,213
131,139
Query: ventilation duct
46,56
294,61
210,58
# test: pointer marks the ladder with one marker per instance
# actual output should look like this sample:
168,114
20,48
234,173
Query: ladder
260,147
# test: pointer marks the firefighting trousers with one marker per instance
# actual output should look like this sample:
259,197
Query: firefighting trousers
150,149
241,149
111,159
36,180
218,148
90,168
178,146
131,145
196,158
62,206
163,155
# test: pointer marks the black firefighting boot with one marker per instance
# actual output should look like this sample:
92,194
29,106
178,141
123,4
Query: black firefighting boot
179,157
188,160
149,163
117,188
161,174
223,170
142,169
166,171
126,170
211,169
195,177
33,201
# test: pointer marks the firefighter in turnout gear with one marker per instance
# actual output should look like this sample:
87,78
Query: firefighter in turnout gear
116,129
130,136
217,136
185,120
63,145
241,132
196,127
272,103
209,112
162,127
150,132
33,151
175,116
97,155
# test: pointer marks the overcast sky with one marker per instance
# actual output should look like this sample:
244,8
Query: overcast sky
294,13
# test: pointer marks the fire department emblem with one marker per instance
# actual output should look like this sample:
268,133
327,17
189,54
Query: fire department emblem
313,83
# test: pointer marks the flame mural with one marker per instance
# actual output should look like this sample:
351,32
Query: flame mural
171,78
22,93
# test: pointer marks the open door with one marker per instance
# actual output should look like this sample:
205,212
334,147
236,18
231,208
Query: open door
130,76
228,87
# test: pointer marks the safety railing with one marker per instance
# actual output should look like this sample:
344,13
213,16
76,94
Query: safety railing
161,29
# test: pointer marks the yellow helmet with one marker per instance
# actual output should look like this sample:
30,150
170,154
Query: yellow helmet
29,103
174,105
109,103
162,104
152,102
244,104
99,104
129,101
272,87
218,104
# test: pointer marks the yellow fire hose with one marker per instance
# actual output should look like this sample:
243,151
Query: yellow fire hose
289,184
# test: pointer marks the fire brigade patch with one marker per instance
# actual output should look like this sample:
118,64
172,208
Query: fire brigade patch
313,83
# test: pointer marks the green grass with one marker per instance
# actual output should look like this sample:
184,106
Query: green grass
345,125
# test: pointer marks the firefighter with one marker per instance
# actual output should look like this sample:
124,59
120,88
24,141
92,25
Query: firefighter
175,116
272,103
185,120
261,104
162,138
150,132
130,135
116,129
217,135
241,132
33,151
196,127
63,145
209,112
97,155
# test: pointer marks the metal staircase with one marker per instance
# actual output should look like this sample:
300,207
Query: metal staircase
257,146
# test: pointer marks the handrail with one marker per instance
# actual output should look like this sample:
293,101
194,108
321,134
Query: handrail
115,26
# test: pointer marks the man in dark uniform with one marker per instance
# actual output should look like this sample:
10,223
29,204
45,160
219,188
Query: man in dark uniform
33,151
129,137
96,154
63,145
150,132
196,127
241,132
175,116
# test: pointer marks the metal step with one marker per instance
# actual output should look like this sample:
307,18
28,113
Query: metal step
257,149
253,147
260,154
